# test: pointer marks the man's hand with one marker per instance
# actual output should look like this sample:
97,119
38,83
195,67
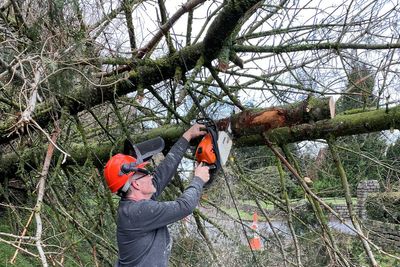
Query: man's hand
195,131
202,172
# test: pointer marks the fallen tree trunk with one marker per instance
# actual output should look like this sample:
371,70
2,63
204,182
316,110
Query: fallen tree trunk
245,123
244,135
342,125
257,121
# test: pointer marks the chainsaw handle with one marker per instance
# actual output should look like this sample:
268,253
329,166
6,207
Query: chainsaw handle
203,120
210,166
206,122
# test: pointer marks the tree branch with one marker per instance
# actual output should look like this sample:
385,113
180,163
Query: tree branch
347,194
317,46
167,26
40,190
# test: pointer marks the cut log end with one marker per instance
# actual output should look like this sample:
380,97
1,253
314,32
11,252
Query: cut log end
332,107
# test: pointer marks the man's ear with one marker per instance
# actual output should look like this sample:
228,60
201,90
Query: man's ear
135,185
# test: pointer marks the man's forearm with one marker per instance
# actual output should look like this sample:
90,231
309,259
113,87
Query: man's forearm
168,166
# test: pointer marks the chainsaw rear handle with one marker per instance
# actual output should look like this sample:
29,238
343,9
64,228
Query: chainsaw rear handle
204,121
209,123
212,169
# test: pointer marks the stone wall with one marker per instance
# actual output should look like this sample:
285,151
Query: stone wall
385,235
363,189
342,210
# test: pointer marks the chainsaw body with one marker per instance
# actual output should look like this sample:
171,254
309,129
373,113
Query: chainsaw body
208,149
205,152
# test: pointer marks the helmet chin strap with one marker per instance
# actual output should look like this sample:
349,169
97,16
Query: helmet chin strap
126,186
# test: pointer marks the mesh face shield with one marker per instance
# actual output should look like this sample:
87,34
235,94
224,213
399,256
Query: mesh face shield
144,151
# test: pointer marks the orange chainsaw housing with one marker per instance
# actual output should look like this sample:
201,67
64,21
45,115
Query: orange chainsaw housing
205,151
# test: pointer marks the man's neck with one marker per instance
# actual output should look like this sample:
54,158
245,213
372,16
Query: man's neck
137,196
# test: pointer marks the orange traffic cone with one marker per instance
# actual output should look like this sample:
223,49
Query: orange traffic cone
255,242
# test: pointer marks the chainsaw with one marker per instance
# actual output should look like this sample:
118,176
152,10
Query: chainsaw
213,150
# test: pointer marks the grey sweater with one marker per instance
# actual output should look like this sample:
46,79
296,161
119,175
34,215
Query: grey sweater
142,233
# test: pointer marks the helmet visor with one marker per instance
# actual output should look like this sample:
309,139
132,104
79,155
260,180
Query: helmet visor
149,167
141,173
138,176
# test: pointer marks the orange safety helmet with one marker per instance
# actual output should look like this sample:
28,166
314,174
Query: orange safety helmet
205,151
115,175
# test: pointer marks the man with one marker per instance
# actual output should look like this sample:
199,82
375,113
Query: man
142,234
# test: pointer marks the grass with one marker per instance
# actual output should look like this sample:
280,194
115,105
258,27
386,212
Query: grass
243,215
328,200
269,207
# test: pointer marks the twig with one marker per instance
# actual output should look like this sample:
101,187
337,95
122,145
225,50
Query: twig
51,141
289,217
162,101
282,250
129,24
41,188
225,88
12,261
167,26
22,249
17,236
326,233
206,238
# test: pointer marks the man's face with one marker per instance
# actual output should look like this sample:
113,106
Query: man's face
145,183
